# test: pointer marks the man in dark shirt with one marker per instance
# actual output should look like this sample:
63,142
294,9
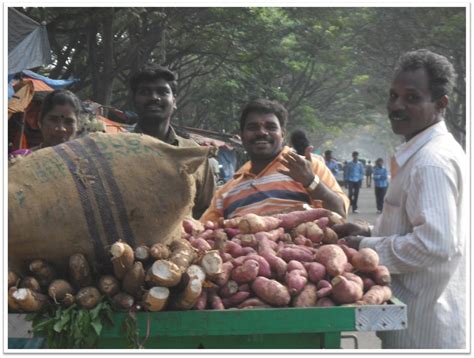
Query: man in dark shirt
153,93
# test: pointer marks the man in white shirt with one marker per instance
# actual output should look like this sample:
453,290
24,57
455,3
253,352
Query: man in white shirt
420,235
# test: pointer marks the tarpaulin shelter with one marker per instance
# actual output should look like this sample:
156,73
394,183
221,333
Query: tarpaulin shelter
28,45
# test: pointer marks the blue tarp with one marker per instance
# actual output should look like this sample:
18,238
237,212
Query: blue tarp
228,160
56,84
28,44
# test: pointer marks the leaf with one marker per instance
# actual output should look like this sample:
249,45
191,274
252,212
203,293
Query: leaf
97,326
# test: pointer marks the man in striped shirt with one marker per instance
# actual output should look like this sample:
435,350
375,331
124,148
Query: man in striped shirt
276,178
420,235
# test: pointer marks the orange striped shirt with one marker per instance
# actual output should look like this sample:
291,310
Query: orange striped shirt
267,192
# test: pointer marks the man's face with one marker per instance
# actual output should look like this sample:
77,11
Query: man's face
354,157
154,100
262,136
409,106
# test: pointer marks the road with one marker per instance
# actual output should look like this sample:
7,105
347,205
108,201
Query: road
367,212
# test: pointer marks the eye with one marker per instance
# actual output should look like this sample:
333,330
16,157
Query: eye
412,98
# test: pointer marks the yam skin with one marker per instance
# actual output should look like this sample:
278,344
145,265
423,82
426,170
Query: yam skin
134,280
58,289
324,288
229,289
109,285
330,236
222,278
322,222
80,271
345,291
333,258
295,282
189,296
296,265
307,297
123,258
293,219
42,271
201,302
28,300
122,301
253,302
325,302
164,273
230,223
246,272
252,223
160,251
182,254
309,230
264,268
156,298
192,226
88,297
215,301
236,299
376,295
31,283
349,251
272,235
200,244
13,279
69,300
365,260
297,253
381,275
271,291
316,271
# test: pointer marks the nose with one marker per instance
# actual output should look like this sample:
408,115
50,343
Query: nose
395,104
60,127
156,95
262,130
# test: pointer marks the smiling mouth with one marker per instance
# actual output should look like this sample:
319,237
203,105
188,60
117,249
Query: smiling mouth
398,118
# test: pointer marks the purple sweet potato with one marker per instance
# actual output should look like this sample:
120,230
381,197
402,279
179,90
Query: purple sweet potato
333,258
295,282
345,291
246,272
293,219
307,297
236,299
316,271
271,291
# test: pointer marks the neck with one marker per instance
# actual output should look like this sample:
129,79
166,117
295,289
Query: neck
158,129
410,136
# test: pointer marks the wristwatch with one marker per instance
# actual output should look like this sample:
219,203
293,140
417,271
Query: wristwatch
313,184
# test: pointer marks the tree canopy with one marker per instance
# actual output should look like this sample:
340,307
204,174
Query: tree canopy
330,67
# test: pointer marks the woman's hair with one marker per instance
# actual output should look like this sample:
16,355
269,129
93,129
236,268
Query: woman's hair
60,97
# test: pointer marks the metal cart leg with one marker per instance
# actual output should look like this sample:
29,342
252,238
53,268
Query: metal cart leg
353,337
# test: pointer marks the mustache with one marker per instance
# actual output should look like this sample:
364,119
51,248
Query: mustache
398,116
264,137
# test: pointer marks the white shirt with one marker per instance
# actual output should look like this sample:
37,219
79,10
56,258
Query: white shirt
420,237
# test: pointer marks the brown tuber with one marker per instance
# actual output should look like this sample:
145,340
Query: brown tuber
58,289
13,279
365,260
80,270
109,285
122,301
31,283
88,297
156,298
164,273
252,223
42,271
28,300
160,251
142,253
134,280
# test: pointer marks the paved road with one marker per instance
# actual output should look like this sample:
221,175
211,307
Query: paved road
367,212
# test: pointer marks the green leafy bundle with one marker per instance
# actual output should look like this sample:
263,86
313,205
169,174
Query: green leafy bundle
71,327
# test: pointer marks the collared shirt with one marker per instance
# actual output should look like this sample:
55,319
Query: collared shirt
380,177
355,171
267,192
205,182
332,165
420,237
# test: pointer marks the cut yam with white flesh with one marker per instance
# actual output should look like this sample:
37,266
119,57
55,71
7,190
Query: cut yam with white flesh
195,271
12,304
211,263
189,296
122,258
28,300
164,273
142,253
155,298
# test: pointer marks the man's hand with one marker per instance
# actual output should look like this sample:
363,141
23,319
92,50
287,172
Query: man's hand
299,168
351,241
352,229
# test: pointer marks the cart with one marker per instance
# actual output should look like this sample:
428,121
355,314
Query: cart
268,328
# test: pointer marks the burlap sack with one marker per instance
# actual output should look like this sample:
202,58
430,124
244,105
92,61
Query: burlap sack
84,195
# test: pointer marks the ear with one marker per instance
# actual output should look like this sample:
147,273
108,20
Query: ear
442,103
174,103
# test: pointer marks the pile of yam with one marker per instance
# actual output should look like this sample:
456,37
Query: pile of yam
285,260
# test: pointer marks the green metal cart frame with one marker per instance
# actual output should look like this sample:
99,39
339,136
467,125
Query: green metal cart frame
269,328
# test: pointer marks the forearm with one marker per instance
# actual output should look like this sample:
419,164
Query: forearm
331,200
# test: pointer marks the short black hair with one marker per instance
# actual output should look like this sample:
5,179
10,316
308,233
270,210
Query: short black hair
264,106
328,152
299,141
441,73
60,97
355,153
152,72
